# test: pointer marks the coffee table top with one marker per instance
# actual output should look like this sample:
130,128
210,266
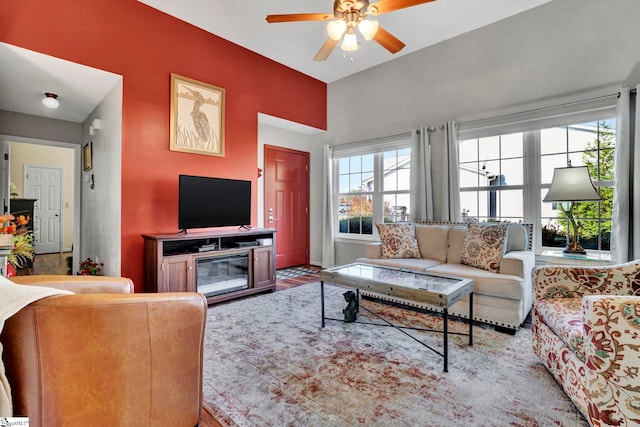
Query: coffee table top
425,287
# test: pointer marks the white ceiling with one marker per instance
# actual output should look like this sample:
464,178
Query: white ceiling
294,44
27,75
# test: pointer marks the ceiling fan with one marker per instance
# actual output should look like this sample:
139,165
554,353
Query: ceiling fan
349,15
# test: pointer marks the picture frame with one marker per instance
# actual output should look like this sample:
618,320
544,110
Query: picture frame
87,154
197,117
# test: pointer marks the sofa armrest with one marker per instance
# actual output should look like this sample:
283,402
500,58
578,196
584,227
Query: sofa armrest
133,359
555,281
374,250
79,284
518,263
612,350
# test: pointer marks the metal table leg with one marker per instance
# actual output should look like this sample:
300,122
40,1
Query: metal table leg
445,337
322,301
471,318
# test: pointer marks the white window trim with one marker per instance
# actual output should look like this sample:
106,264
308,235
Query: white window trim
529,123
359,148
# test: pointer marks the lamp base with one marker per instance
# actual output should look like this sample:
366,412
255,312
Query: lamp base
574,250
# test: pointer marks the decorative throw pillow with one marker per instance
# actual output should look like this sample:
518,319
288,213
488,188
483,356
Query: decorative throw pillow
484,245
398,240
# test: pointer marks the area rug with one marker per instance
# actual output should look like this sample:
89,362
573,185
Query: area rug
268,362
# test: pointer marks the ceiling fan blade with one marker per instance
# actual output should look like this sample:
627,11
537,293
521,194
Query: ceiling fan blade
386,6
326,49
388,40
293,17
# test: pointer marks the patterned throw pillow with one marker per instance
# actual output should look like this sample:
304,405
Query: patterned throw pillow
484,245
398,241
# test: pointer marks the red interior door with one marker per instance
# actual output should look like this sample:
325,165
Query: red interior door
286,198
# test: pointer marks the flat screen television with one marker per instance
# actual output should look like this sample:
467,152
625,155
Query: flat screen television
213,202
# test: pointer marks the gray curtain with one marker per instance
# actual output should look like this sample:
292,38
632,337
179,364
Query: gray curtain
445,175
420,181
328,250
625,234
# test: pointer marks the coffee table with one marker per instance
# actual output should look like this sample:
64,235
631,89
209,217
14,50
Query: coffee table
422,287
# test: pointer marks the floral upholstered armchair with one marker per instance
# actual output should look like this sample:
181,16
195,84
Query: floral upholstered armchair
586,331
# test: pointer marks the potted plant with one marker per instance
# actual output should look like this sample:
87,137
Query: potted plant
88,267
14,234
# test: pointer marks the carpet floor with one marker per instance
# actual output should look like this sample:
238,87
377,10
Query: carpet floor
267,362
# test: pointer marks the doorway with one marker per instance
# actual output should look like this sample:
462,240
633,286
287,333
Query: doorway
286,203
44,184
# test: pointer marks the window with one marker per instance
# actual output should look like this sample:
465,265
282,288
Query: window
372,187
505,177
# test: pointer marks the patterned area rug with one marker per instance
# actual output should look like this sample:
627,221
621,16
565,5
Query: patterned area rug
290,273
267,362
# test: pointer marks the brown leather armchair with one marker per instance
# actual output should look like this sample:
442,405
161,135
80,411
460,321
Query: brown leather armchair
106,356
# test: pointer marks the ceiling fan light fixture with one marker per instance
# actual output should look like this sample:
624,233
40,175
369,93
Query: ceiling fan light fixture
50,100
368,28
350,42
336,28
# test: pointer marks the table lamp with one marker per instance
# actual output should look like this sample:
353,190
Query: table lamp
572,184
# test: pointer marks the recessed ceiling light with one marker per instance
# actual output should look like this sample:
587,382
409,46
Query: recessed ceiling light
50,100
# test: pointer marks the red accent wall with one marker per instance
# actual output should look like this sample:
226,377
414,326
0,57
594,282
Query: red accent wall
145,46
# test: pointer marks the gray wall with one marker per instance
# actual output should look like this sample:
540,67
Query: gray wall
28,126
561,51
101,206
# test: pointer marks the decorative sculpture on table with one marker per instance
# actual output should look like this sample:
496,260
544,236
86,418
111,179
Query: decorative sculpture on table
352,308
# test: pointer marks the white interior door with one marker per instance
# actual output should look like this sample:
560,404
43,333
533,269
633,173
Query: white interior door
45,185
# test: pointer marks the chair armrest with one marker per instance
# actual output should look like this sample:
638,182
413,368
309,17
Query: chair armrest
79,284
518,263
374,250
612,350
555,281
132,359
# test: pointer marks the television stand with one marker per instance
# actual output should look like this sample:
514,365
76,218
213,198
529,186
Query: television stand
221,265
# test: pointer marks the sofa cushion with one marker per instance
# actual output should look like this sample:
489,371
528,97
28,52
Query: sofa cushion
416,264
486,282
456,240
398,240
564,317
484,245
432,241
517,238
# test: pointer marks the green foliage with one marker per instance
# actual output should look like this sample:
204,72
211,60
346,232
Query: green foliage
356,225
599,171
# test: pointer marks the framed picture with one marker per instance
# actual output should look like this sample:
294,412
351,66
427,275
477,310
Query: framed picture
197,117
87,152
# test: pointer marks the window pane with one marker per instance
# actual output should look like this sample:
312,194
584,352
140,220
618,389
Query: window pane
468,203
469,174
553,140
367,163
512,145
512,172
404,179
468,150
489,148
355,164
511,204
396,208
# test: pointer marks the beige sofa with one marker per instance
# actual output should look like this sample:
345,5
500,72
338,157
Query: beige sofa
503,299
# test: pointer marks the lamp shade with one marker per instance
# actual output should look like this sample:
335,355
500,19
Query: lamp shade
50,100
572,184
368,28
336,29
350,42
